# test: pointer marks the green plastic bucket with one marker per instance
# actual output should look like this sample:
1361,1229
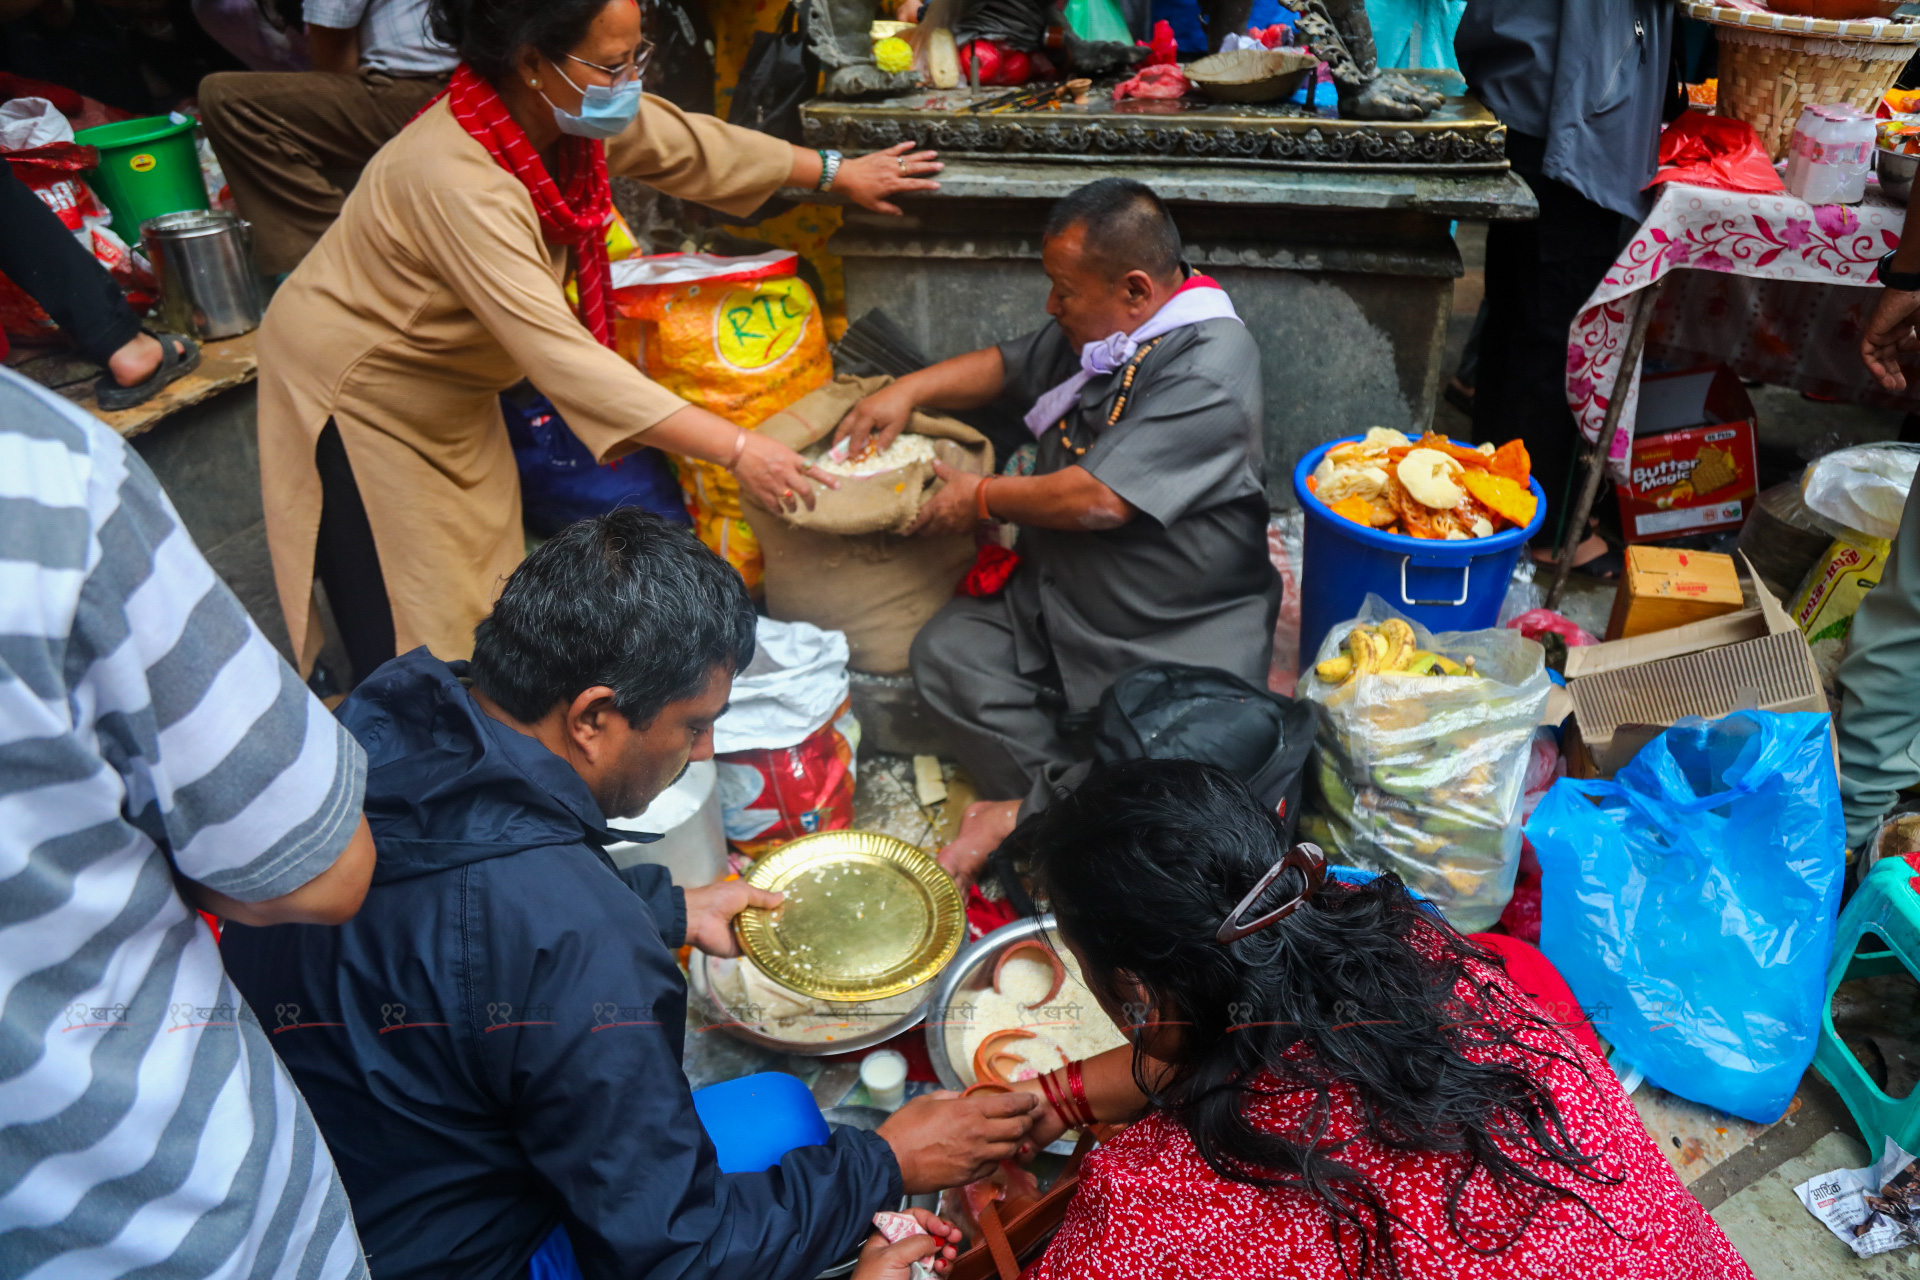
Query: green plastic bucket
147,167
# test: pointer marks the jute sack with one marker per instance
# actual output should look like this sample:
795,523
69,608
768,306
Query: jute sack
844,565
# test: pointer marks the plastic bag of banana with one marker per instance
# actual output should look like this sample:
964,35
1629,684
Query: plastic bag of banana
1422,755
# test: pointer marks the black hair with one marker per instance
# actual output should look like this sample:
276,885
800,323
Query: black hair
1128,227
489,34
1360,988
624,600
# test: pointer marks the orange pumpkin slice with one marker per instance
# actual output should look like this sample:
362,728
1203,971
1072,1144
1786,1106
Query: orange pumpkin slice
1360,511
1502,495
1511,460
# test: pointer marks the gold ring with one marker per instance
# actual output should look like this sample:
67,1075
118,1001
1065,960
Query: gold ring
903,164
787,494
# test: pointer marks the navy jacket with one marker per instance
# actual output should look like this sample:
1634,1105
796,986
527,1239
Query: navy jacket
492,1045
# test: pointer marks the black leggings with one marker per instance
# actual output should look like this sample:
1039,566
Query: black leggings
39,254
346,562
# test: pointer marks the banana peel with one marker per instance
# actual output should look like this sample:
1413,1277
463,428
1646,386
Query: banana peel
1391,648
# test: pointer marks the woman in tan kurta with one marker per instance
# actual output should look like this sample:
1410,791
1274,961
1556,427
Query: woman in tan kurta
436,290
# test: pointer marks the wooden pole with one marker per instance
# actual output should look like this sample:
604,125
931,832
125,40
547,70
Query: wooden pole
1573,533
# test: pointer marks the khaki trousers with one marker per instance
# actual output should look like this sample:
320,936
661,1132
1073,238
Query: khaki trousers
281,134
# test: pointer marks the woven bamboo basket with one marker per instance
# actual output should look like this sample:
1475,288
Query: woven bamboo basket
1767,77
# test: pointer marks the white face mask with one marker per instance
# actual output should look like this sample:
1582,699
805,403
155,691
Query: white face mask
604,109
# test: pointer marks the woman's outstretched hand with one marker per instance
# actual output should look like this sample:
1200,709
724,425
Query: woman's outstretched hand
775,476
870,179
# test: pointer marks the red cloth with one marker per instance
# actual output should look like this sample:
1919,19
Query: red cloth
1148,1206
1166,49
1534,974
577,216
991,569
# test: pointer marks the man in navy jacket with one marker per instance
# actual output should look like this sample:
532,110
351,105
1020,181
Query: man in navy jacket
492,1047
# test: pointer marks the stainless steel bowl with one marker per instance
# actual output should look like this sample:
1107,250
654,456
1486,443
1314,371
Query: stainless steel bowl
970,972
701,987
870,1119
1896,170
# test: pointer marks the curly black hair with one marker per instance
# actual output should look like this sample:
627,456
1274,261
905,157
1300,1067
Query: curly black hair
1144,860
488,34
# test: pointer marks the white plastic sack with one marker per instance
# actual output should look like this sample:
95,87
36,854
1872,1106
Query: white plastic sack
792,688
26,123
1864,487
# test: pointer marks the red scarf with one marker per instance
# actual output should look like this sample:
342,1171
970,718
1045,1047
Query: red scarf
577,216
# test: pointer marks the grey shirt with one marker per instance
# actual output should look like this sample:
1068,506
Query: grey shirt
1187,579
1587,76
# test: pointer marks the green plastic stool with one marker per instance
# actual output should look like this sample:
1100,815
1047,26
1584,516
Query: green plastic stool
1887,906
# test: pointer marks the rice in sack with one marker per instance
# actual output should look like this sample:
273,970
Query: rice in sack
844,563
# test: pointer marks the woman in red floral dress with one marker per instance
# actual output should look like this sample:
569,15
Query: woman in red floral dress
1332,1083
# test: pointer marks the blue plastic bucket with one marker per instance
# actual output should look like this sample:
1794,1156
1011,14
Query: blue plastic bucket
1445,586
757,1119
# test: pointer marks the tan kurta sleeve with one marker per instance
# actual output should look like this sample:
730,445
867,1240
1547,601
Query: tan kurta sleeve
700,158
486,247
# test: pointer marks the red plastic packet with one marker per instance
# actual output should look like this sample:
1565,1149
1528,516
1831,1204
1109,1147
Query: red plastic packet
1715,151
783,793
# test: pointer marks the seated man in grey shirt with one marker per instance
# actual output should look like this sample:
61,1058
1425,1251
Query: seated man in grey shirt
1143,526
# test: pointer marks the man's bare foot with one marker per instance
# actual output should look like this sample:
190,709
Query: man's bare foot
135,362
982,827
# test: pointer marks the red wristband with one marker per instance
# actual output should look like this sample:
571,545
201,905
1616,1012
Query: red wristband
980,498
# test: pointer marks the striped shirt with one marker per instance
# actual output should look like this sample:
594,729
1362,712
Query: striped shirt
145,1122
395,37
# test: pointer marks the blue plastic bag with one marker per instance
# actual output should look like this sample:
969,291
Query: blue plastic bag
559,480
1690,903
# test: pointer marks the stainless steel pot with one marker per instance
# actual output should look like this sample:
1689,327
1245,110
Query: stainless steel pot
204,262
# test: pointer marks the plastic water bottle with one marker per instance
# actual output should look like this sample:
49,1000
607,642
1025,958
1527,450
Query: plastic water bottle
1831,152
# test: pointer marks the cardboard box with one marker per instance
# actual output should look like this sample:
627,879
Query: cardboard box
1663,587
1623,692
1693,468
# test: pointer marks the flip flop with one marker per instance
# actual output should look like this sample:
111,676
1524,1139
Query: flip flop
178,356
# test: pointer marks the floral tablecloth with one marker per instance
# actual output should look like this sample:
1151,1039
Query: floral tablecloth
1753,290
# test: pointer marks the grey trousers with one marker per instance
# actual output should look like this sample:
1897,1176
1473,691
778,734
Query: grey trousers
1002,720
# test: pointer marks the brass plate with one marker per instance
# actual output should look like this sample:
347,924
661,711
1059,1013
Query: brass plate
866,916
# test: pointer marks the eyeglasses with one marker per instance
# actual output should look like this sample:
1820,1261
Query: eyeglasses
623,75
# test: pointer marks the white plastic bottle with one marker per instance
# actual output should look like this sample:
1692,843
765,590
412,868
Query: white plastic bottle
1831,152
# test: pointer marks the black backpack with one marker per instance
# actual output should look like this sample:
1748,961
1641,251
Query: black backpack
780,73
1170,711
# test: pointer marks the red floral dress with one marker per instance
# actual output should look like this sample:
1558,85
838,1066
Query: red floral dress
1149,1206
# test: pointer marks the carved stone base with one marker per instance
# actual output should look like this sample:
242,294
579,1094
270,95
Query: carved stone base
1462,136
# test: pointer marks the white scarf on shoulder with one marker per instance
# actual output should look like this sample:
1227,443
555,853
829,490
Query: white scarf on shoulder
1200,298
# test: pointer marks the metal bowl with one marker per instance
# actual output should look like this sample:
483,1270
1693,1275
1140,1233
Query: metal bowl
1896,169
971,971
701,986
870,1119
1250,75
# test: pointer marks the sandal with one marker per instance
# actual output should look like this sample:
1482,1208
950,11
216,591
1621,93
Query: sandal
178,356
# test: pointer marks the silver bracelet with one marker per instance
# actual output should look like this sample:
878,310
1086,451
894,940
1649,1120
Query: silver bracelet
829,169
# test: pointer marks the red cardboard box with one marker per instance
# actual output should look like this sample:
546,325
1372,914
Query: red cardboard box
1693,468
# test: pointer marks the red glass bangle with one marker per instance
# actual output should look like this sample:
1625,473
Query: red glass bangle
1079,1087
1055,1097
